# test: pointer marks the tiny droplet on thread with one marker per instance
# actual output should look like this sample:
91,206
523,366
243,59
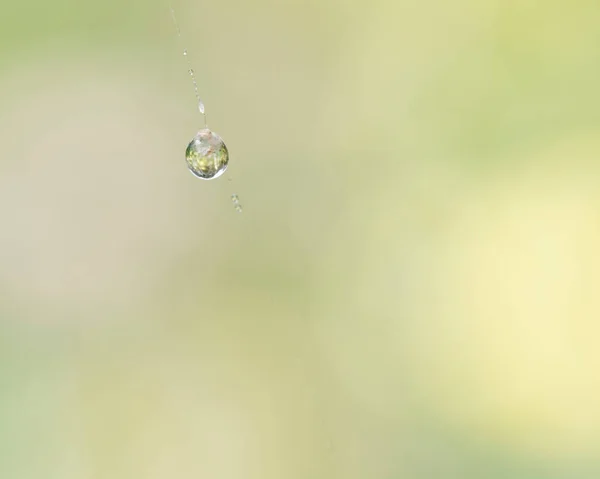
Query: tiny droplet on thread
185,53
201,107
236,203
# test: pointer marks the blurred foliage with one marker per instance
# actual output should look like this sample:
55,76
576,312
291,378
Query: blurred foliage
411,291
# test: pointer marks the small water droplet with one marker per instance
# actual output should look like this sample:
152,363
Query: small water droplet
185,53
191,72
201,107
236,203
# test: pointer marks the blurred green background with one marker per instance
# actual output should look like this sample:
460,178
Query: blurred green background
412,291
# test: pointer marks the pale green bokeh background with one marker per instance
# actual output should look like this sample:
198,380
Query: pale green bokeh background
412,290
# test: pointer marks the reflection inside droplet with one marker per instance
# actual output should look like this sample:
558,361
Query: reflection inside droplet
206,155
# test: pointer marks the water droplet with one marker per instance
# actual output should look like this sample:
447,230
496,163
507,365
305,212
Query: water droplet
206,155
201,107
191,72
185,53
236,203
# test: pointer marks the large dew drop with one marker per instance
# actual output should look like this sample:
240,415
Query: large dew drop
206,155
